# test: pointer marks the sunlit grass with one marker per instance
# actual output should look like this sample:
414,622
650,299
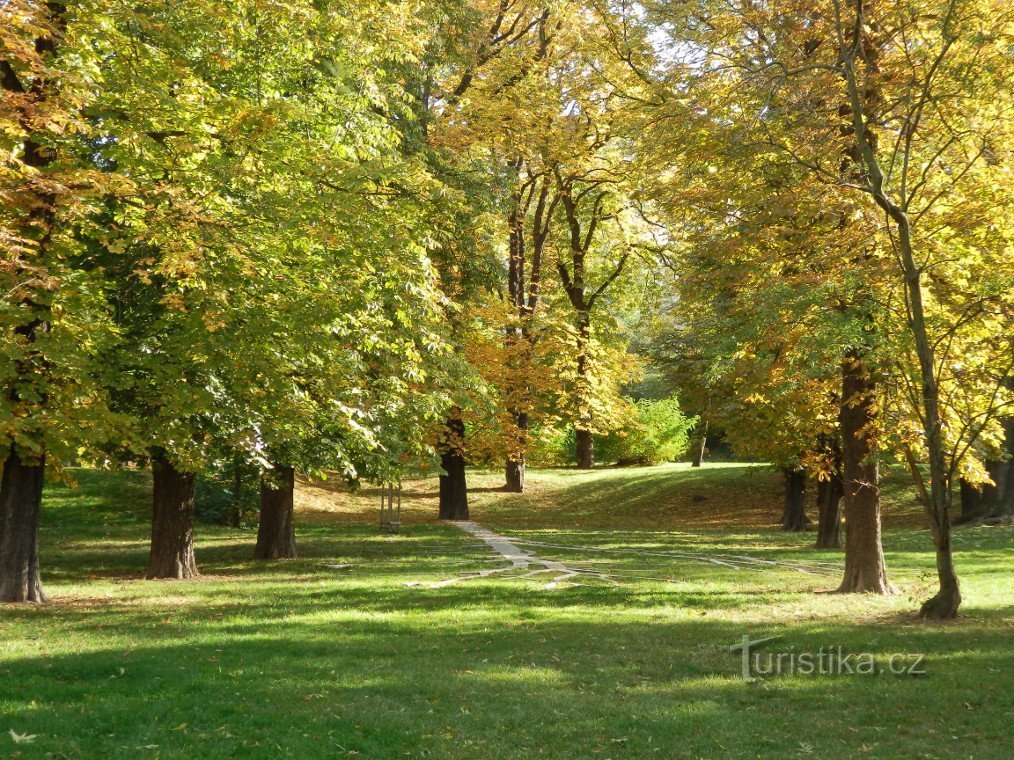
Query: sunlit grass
294,659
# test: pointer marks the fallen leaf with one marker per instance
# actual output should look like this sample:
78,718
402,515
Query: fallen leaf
23,738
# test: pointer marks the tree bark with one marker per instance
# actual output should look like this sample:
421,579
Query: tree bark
829,498
585,445
514,473
699,452
583,441
794,513
172,523
514,469
972,500
453,487
944,604
276,534
20,504
865,570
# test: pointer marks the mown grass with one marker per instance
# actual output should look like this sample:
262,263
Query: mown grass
294,659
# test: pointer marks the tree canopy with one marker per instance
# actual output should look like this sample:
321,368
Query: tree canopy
352,239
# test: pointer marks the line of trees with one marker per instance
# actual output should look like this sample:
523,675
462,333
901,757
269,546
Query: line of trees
342,237
299,240
214,230
846,272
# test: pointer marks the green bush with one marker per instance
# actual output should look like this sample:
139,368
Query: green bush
551,447
660,433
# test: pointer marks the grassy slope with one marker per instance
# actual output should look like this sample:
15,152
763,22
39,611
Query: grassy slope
293,659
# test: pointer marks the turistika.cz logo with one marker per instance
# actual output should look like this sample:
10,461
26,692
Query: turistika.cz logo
826,661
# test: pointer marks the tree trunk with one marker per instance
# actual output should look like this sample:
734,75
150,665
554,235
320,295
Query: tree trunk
944,604
276,534
514,470
22,483
829,497
585,445
997,500
515,475
453,488
583,441
865,570
20,504
236,502
830,491
172,523
972,500
794,514
699,452
1001,505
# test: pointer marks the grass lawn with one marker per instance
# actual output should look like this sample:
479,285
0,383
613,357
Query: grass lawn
294,659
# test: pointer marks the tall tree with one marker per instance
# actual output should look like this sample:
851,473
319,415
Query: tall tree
53,403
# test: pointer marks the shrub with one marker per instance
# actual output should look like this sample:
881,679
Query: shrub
660,433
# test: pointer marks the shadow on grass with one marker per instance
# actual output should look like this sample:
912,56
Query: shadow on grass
291,659
492,686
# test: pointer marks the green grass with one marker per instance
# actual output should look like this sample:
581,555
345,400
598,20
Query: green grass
292,659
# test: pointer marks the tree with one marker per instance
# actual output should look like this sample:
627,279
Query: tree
759,323
55,328
929,171
527,96
274,295
881,80
993,500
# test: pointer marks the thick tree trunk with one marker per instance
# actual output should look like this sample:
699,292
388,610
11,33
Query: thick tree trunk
514,469
514,473
172,521
453,487
276,534
794,514
585,445
699,451
865,570
20,504
972,501
829,498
